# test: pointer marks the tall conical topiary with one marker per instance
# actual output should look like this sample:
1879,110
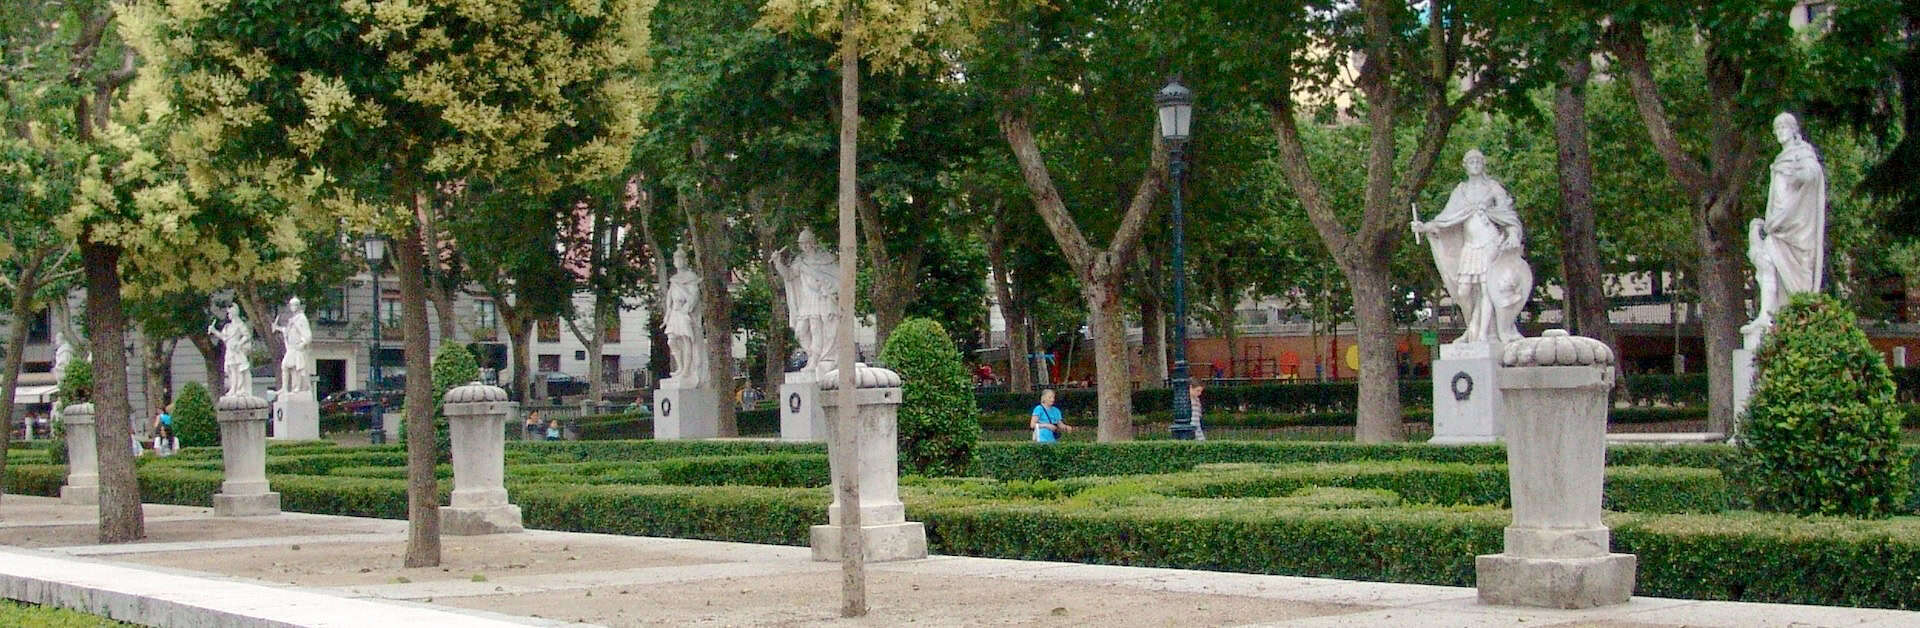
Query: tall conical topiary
939,422
193,419
1822,431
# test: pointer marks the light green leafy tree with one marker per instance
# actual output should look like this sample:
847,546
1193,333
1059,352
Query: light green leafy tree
359,110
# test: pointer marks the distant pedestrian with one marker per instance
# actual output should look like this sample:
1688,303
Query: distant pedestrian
164,442
1194,390
1047,423
553,429
533,425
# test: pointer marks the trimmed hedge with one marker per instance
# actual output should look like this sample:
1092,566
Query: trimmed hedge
1259,419
640,427
1027,461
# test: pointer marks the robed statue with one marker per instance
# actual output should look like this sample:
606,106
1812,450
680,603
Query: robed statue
299,340
812,279
686,337
1788,245
238,338
1477,245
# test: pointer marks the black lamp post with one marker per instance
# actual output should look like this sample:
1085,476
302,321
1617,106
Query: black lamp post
1175,104
376,250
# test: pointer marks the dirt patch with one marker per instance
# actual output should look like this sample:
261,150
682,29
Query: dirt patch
897,599
209,529
33,509
342,564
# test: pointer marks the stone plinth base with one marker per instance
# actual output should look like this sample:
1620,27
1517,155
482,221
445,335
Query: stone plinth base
80,495
685,413
1554,582
884,542
477,521
1742,380
1466,395
801,418
246,505
298,417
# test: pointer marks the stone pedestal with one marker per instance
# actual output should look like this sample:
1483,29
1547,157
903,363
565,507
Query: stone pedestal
83,459
476,416
243,453
801,418
1554,392
1466,394
685,413
886,533
1742,382
296,416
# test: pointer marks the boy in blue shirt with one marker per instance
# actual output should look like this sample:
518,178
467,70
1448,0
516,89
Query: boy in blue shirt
1046,422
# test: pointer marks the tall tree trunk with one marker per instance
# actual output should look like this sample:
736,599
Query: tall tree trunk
121,517
1153,339
444,315
594,337
423,495
711,244
660,359
1019,366
210,360
1585,284
1723,298
24,289
156,356
1379,366
853,558
777,324
895,277
1231,333
1109,327
519,332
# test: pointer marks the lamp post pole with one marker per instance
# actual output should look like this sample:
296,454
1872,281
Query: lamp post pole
377,432
1175,104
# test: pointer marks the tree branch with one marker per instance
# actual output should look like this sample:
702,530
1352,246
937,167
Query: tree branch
1133,223
1046,198
1628,42
1299,173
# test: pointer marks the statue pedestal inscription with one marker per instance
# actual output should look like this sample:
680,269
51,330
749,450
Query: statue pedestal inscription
685,413
298,416
1466,394
801,419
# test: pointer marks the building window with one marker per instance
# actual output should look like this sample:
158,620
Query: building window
610,368
332,307
550,362
390,312
485,314
41,330
613,331
549,330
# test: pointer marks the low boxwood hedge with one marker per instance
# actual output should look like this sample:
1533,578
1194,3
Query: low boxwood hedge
1015,460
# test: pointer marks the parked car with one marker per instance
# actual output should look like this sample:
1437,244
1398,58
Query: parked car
346,402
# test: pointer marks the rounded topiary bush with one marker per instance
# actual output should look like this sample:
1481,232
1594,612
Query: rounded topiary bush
939,422
193,420
1822,431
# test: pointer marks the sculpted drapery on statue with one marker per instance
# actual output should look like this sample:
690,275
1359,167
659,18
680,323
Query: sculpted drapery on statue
812,280
299,340
238,338
1476,244
62,355
686,337
1788,245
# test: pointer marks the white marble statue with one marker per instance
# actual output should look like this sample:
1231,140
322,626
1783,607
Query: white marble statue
299,340
62,354
1788,245
812,279
686,339
1476,244
238,338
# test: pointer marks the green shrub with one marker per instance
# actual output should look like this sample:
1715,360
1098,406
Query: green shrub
1822,432
1336,497
76,385
193,418
454,366
939,423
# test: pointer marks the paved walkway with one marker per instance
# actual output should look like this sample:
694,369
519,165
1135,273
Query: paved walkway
195,569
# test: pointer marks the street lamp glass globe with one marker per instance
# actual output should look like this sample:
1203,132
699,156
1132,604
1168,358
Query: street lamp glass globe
1175,103
376,248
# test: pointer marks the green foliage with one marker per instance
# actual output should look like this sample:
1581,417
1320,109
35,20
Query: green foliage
76,385
194,422
1008,461
23,614
939,424
1822,433
454,366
